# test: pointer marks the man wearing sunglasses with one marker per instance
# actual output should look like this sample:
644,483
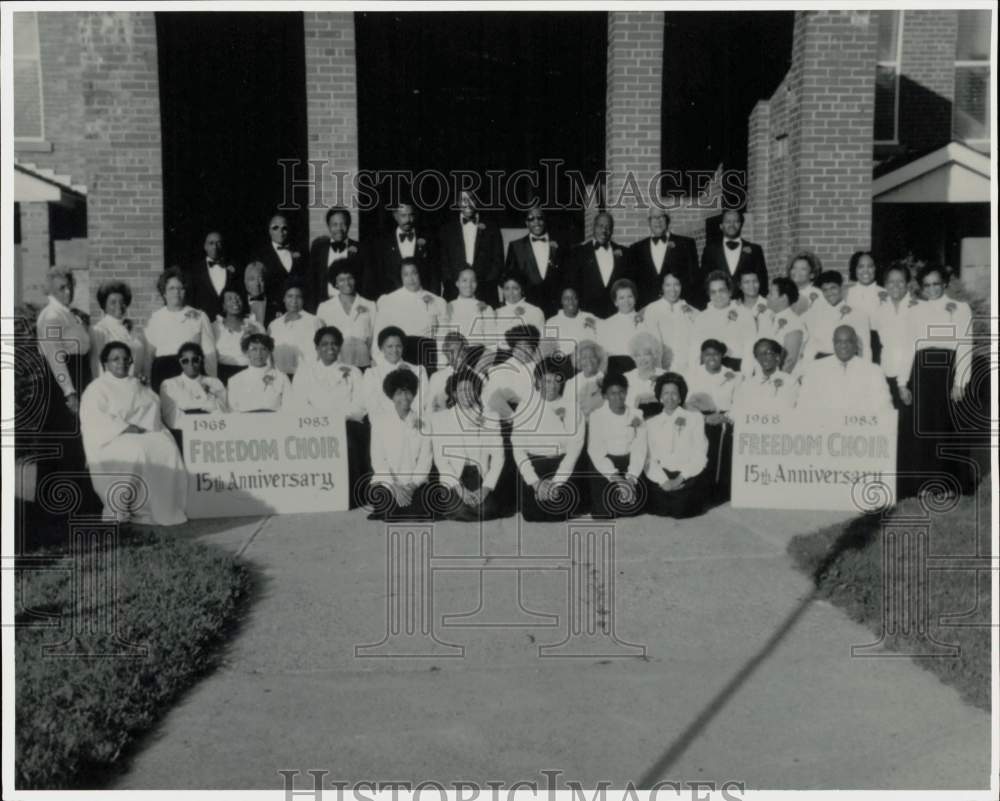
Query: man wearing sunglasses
538,257
281,259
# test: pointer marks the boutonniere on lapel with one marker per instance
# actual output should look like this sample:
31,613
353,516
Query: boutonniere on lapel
553,247
519,311
561,413
230,269
950,308
687,309
590,322
729,376
345,372
421,243
416,422
428,300
732,316
778,384
782,322
352,250
268,379
680,422
747,250
635,422
883,296
360,309
618,253
296,254
671,244
761,308
481,306
845,310
637,319
813,295
128,325
191,314
481,226
913,302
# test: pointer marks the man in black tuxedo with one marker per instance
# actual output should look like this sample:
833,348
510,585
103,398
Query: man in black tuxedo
385,258
469,241
732,255
595,265
337,248
281,261
210,277
660,253
537,257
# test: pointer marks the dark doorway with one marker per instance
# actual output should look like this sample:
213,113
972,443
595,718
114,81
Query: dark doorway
232,104
480,91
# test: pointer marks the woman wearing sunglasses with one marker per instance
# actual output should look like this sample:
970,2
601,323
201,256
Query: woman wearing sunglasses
191,392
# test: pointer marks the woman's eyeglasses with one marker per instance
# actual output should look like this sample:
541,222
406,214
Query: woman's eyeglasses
191,360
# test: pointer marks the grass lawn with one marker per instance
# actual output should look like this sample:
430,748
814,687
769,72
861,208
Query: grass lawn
846,563
175,599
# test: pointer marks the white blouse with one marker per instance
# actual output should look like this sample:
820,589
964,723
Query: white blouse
553,430
711,392
781,325
733,326
375,400
168,329
259,388
945,323
562,334
673,325
180,394
336,387
676,442
762,314
473,319
865,298
616,435
61,333
109,329
822,320
400,448
897,335
510,315
458,441
417,313
356,325
760,393
228,344
615,333
293,340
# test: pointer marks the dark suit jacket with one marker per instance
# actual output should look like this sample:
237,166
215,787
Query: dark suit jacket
713,258
681,259
275,274
383,262
543,293
585,277
487,259
319,255
201,292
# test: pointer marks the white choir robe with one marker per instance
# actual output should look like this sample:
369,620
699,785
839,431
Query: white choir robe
615,333
822,320
711,392
293,340
673,325
510,315
357,326
733,326
832,386
376,401
457,441
760,393
180,394
676,442
61,333
416,313
259,388
865,298
898,337
562,334
401,449
168,329
108,329
336,388
149,462
552,429
944,323
229,344
639,387
762,315
616,435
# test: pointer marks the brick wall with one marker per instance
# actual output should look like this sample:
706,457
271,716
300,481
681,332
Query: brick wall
927,78
332,107
123,160
36,256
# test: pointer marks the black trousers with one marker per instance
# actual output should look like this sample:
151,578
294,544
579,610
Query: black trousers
386,508
560,508
606,501
688,500
451,506
720,461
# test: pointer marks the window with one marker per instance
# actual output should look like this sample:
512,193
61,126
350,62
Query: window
28,118
971,110
890,39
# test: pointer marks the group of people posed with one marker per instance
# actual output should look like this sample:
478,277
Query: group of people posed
551,382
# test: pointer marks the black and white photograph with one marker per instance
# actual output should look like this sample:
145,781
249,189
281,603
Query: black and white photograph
490,401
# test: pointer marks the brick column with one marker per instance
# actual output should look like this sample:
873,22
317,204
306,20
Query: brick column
124,163
634,96
332,107
927,81
758,174
36,257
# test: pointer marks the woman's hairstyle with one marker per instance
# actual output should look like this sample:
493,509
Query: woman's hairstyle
333,331
456,378
293,282
646,341
614,380
714,344
61,272
390,331
553,366
775,346
398,379
940,269
599,352
680,278
192,347
898,266
522,334
512,275
339,210
109,288
167,275
566,289
108,349
810,258
671,378
786,287
829,277
259,339
340,266
410,261
852,264
718,275
624,283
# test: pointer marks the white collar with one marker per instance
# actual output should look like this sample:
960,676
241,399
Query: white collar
53,301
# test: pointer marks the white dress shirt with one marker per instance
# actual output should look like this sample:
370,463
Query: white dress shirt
333,256
400,448
605,261
293,340
673,325
541,249
658,251
733,326
469,230
832,386
109,329
229,344
259,388
458,441
60,333
375,400
217,275
897,336
180,394
407,247
336,388
554,429
284,255
168,329
415,312
822,320
732,254
711,392
760,393
676,442
615,333
616,435
945,323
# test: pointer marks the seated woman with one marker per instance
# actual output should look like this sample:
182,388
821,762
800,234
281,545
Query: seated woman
468,456
114,298
390,345
351,314
748,296
767,388
229,329
546,446
671,320
293,332
400,454
414,311
565,330
515,311
134,464
786,327
648,353
173,325
724,320
261,387
616,445
678,453
191,392
474,319
616,332
710,391
585,387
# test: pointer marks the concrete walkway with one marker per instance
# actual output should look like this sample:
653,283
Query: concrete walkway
738,675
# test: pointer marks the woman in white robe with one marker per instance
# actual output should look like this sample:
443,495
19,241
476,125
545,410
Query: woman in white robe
261,387
114,298
134,463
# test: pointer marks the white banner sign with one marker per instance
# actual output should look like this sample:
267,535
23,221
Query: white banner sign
263,464
800,460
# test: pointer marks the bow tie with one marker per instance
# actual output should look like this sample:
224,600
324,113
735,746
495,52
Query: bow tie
659,240
255,298
539,239
281,247
214,263
732,244
338,247
406,237
470,221
598,246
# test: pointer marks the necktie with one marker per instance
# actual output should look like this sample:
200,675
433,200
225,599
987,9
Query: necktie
539,239
406,237
338,247
732,244
659,240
